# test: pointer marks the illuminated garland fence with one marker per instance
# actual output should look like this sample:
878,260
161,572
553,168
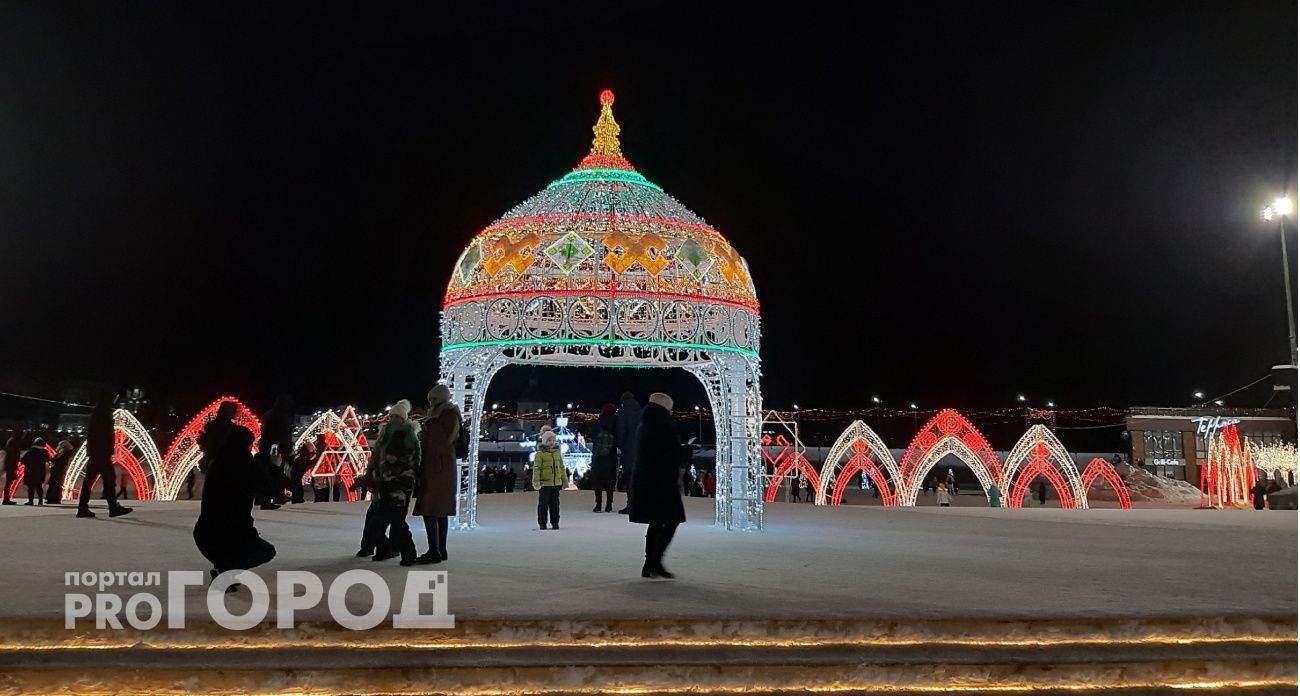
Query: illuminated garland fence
860,451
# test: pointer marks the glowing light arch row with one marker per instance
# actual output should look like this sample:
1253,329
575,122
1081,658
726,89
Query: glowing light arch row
1040,449
133,449
861,443
183,454
1038,452
347,451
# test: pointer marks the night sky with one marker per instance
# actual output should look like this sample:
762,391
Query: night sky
945,203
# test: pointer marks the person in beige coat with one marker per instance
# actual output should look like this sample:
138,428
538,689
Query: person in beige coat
439,476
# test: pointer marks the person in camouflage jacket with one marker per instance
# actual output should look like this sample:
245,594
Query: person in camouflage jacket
395,458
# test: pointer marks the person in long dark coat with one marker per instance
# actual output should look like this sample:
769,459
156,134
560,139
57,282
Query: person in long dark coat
224,532
58,468
12,452
655,494
439,476
273,447
34,461
99,460
625,427
604,457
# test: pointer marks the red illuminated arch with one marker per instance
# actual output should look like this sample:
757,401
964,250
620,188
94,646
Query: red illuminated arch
948,432
183,454
1039,463
786,459
1100,467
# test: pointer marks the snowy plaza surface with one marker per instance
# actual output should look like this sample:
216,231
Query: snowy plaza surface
809,563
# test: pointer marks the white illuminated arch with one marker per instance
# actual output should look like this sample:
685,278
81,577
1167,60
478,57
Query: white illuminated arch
133,449
859,432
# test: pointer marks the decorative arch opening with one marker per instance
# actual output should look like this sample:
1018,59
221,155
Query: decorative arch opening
789,457
343,452
947,433
18,474
183,454
867,455
1100,468
730,382
1040,447
133,450
1039,464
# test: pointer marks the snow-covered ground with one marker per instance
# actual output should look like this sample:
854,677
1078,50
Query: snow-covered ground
846,562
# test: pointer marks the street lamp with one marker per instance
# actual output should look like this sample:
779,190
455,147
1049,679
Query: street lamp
1021,398
1051,405
1218,402
1280,209
875,399
1198,395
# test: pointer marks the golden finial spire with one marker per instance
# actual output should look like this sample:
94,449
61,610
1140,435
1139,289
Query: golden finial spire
606,153
606,128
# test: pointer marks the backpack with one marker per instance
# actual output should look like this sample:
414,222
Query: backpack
603,446
462,441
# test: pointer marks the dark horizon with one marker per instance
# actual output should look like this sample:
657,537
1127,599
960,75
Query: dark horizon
945,204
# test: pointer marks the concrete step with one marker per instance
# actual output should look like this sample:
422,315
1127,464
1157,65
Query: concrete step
1224,655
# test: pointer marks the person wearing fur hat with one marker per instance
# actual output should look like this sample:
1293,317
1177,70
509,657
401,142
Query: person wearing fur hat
655,493
439,475
604,457
549,476
398,452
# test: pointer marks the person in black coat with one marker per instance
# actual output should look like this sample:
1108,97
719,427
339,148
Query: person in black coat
58,467
99,460
224,532
655,492
604,457
273,447
34,461
625,427
13,448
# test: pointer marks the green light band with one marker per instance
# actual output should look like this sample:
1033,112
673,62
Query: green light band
620,175
598,341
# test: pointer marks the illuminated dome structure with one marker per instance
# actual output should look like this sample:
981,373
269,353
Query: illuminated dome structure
602,268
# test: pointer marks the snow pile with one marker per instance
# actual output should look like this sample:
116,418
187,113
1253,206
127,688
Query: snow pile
1145,487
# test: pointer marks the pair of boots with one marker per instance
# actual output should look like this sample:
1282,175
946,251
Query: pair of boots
657,538
386,551
435,528
113,511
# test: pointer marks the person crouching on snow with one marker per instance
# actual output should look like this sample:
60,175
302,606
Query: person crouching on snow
549,477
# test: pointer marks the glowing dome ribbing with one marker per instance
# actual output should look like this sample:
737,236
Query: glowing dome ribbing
602,258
